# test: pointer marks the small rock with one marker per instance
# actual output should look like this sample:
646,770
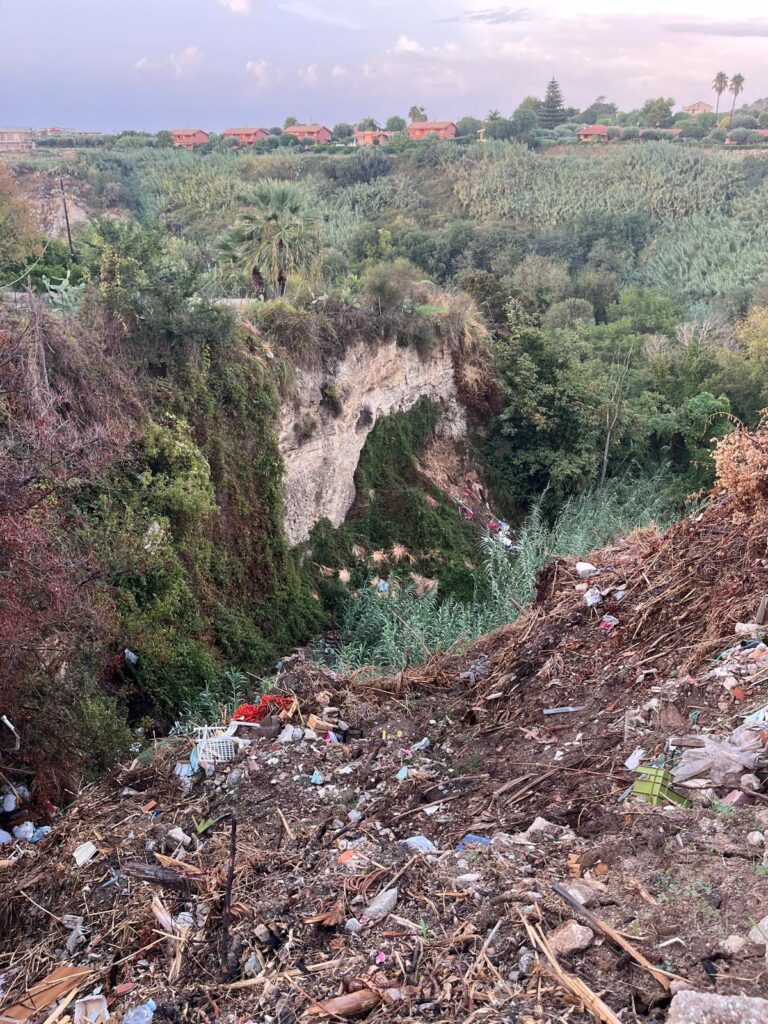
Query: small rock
582,892
761,816
736,798
355,817
252,966
707,1008
680,985
353,926
751,782
759,934
382,905
528,958
263,934
310,735
570,937
734,944
469,880
756,839
585,570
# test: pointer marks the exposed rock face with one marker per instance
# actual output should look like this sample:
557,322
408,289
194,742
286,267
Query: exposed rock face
321,449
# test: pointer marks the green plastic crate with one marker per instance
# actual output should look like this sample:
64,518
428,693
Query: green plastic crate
656,787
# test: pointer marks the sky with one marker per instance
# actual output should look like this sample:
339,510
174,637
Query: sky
108,65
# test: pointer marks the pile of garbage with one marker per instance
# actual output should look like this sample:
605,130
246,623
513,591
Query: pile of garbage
569,821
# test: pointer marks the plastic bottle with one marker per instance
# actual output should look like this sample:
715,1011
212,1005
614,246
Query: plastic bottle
141,1014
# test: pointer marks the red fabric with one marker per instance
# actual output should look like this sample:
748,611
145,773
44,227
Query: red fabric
258,712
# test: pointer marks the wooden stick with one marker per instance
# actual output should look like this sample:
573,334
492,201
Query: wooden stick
612,934
227,913
573,985
286,826
54,1015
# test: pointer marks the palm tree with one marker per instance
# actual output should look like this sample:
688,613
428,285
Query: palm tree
736,87
279,236
720,84
417,114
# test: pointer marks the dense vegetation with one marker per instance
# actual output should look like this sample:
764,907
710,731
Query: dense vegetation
607,312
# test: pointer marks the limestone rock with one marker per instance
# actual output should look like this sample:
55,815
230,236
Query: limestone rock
707,1008
570,937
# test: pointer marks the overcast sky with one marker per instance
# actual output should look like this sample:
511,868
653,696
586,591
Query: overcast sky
150,64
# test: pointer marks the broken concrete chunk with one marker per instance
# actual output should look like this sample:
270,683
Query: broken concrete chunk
570,937
353,926
707,1008
585,893
381,905
468,880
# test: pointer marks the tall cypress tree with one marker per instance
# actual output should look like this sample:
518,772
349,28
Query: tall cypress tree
553,108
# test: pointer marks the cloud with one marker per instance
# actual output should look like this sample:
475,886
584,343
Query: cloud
262,73
338,71
304,9
494,15
179,63
309,74
737,29
407,45
238,6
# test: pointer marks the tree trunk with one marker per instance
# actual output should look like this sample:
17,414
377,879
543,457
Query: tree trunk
733,107
717,109
257,281
281,283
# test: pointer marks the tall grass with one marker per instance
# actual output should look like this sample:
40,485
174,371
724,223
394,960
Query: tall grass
390,632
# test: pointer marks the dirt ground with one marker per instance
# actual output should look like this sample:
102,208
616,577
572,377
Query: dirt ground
473,931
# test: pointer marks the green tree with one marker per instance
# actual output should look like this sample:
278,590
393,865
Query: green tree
598,110
493,115
553,109
736,88
500,128
289,122
164,139
657,113
395,124
416,114
468,127
279,236
720,84
342,132
368,124
524,124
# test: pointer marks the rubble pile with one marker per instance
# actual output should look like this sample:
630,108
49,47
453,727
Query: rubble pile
566,822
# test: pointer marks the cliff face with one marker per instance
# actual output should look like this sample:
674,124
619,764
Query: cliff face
324,426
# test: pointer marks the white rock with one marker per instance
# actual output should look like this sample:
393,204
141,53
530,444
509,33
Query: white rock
759,934
570,937
353,926
734,944
585,569
381,905
756,839
468,880
583,892
707,1008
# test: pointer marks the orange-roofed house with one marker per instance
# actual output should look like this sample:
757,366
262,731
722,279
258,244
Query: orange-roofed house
440,129
594,133
694,109
245,136
188,138
372,137
312,132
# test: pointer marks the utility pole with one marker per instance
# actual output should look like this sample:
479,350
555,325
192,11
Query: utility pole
66,218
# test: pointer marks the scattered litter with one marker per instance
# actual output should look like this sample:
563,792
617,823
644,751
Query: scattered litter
593,597
655,786
608,623
317,778
84,853
472,840
567,710
91,1010
635,758
420,843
